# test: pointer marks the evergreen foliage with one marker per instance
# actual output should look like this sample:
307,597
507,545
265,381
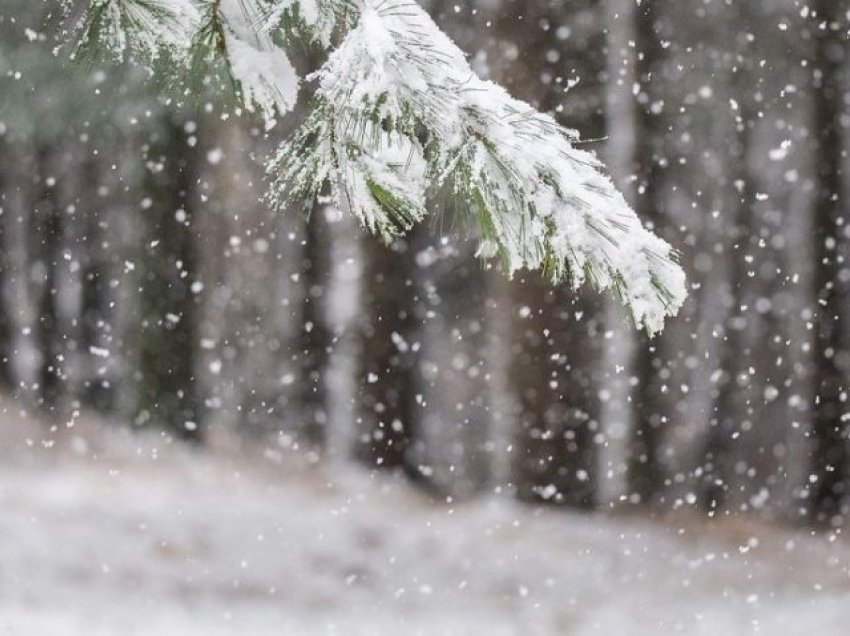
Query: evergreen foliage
398,120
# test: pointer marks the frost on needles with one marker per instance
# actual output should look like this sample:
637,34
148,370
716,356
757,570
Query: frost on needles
398,123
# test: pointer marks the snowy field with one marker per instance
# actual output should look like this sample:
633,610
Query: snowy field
114,535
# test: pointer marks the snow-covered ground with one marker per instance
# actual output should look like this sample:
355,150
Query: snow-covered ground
105,534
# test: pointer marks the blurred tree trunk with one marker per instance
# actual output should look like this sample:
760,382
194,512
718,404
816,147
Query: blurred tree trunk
832,283
730,408
168,392
7,343
555,349
732,395
646,472
553,359
452,449
387,380
94,328
46,242
315,334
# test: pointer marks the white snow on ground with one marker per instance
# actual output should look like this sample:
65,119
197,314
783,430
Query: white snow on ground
124,535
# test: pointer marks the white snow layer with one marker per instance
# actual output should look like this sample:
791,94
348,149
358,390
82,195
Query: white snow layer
102,536
266,77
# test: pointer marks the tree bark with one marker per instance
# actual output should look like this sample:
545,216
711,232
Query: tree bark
7,343
832,248
46,236
645,472
316,338
387,379
168,392
553,360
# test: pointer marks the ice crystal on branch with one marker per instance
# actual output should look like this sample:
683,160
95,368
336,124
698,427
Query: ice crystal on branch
397,121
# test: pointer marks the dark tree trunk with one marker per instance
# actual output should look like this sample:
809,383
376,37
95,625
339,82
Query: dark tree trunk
387,379
729,409
168,340
646,473
46,237
553,356
95,313
739,201
832,249
316,338
452,450
7,378
555,339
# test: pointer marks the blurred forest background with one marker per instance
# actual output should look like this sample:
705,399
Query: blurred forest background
141,276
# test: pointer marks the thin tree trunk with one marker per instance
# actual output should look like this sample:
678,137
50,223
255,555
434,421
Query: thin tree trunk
453,449
7,344
387,383
831,459
739,201
168,342
552,372
555,344
47,238
316,338
645,468
728,404
94,311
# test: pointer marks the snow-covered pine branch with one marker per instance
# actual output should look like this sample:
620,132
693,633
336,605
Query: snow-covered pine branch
192,36
398,119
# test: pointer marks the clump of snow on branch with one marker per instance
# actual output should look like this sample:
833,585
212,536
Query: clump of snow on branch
400,122
265,75
183,31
